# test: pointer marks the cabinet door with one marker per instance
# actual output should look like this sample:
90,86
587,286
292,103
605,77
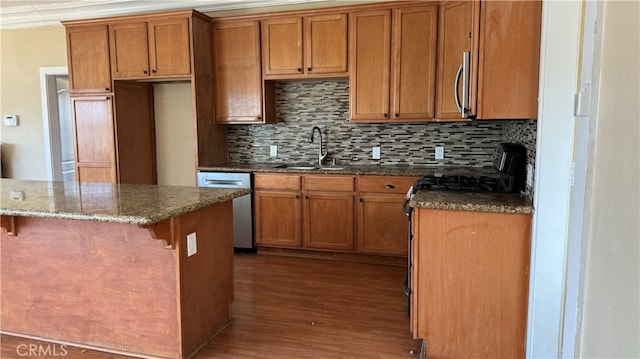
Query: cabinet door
282,46
238,77
325,44
369,67
277,218
88,56
169,47
328,220
129,50
382,226
94,138
485,256
455,34
414,62
509,59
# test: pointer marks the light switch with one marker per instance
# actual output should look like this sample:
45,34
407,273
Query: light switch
439,152
273,150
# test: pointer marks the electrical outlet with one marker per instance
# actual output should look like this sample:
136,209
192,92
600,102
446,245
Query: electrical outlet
529,175
273,150
375,153
192,246
439,152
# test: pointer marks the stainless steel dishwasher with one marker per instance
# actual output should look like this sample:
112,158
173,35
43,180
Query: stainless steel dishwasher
242,212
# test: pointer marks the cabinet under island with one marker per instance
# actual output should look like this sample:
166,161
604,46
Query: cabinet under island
106,266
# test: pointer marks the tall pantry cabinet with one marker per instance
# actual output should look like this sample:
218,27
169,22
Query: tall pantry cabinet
112,65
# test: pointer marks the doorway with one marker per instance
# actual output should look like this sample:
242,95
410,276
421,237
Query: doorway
57,124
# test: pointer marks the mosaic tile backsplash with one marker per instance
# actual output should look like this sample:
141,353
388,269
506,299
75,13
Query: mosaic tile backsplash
325,103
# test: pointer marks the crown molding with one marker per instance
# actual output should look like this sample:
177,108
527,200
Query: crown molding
40,13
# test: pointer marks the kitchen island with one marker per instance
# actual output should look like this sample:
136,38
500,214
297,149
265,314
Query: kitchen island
108,266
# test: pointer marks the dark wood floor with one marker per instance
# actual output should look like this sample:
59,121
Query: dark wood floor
299,308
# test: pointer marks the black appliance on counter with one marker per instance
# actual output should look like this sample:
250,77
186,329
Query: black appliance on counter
507,176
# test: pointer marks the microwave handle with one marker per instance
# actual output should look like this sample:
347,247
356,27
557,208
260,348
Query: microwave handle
466,67
456,86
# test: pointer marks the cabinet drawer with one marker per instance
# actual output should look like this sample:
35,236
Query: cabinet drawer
385,184
276,182
330,183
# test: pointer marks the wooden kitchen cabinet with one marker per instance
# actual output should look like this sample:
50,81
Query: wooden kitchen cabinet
94,138
88,58
470,279
509,59
310,46
457,33
382,226
153,47
118,148
277,210
328,212
308,211
238,74
393,62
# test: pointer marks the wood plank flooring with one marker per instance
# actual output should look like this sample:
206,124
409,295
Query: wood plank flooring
299,308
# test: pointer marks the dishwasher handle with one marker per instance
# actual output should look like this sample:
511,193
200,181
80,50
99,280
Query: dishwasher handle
222,182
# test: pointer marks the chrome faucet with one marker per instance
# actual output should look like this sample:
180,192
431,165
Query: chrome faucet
321,154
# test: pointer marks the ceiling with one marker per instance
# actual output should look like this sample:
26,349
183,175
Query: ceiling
34,13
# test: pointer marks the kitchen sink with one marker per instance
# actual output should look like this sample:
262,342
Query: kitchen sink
299,167
331,168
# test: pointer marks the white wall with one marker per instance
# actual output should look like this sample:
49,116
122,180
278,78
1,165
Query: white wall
560,48
611,293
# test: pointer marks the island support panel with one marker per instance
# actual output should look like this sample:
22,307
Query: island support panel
114,287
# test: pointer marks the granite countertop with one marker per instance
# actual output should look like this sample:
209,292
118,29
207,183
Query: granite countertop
468,201
351,169
104,202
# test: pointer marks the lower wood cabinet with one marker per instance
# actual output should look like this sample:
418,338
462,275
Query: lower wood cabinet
469,283
320,212
308,211
382,226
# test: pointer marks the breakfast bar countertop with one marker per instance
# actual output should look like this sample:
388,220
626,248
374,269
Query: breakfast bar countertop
105,202
471,201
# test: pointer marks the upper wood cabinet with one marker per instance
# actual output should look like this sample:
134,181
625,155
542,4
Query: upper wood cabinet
457,35
509,59
158,48
392,68
88,57
238,73
313,46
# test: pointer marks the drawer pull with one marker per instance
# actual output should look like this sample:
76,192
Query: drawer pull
389,186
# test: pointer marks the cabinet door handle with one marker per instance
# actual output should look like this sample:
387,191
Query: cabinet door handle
297,196
306,197
397,114
106,89
389,186
153,71
258,117
308,68
361,199
107,98
145,72
385,115
299,69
